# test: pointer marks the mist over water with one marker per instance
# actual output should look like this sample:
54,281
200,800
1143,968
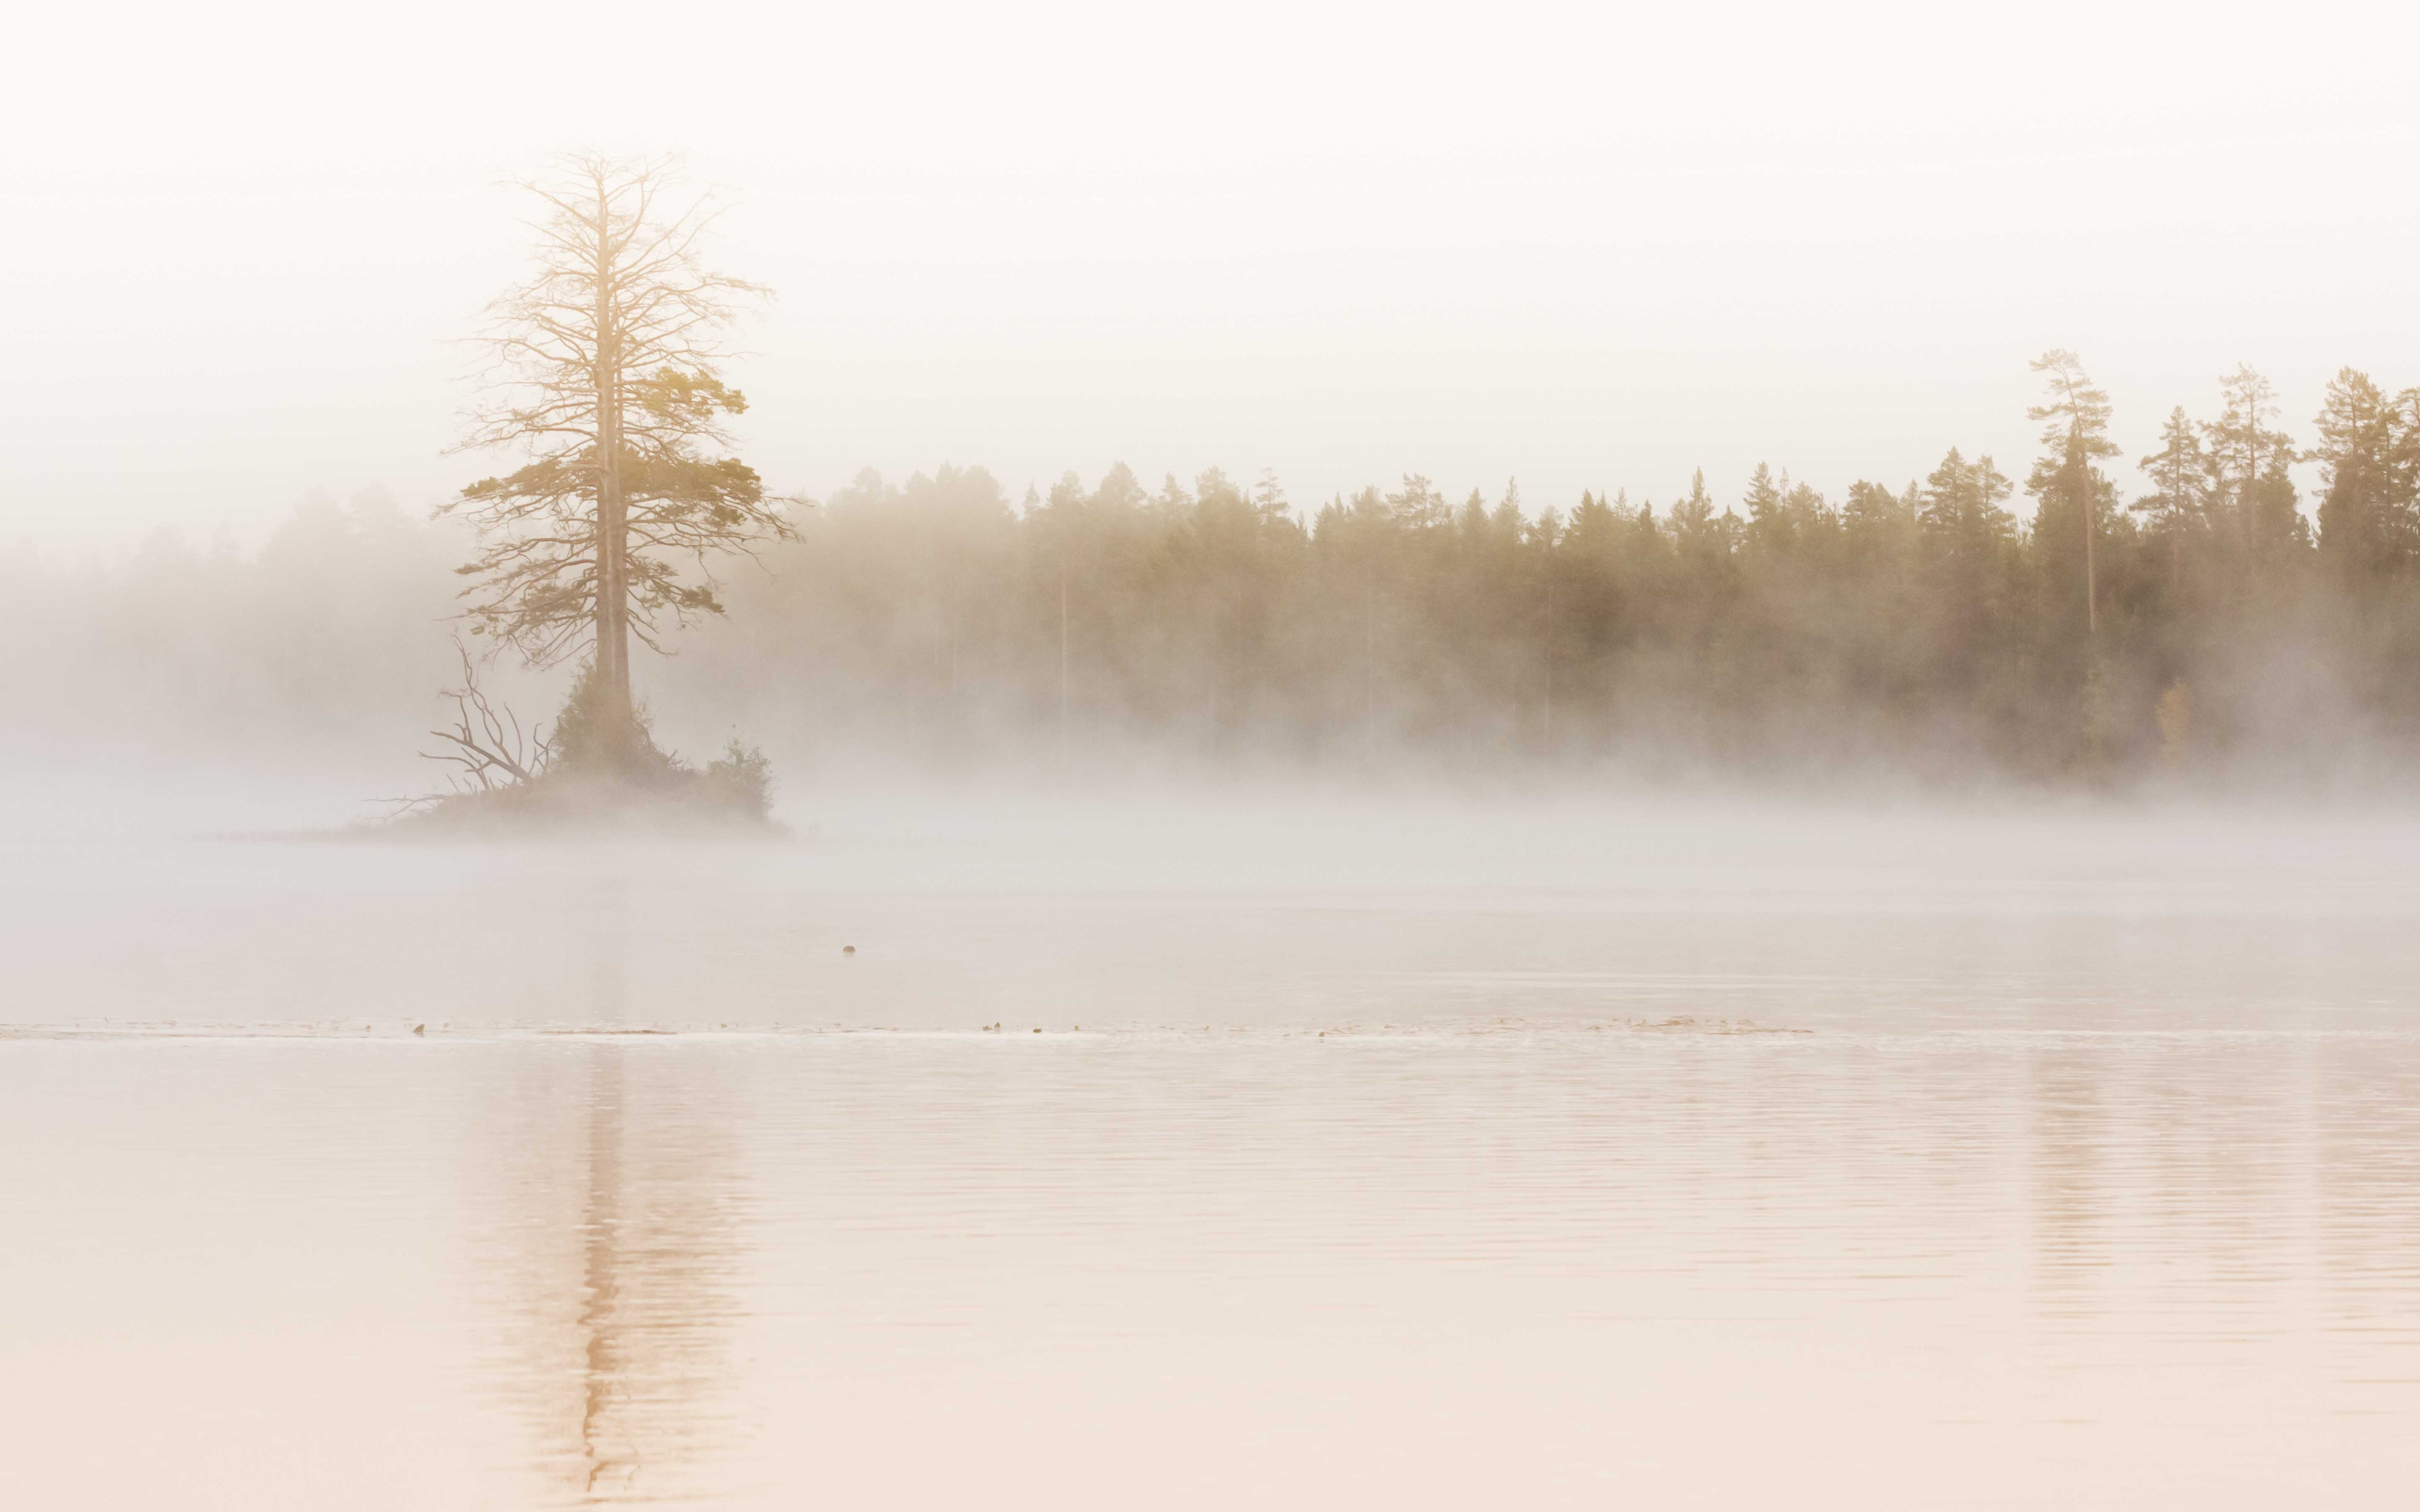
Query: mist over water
1310,756
1276,909
1406,1148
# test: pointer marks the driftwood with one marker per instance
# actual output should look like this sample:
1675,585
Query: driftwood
536,777
486,747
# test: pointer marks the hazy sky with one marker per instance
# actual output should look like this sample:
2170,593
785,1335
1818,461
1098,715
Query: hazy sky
1588,246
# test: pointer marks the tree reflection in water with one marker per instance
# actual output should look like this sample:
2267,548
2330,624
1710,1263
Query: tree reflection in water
609,1246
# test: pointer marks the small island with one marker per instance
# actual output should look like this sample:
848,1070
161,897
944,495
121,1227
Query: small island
604,371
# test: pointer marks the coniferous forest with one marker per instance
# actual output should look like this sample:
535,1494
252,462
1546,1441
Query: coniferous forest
2074,617
2169,612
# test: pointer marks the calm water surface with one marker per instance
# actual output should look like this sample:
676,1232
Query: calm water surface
1379,1155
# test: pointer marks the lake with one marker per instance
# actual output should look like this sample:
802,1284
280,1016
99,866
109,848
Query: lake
1240,1148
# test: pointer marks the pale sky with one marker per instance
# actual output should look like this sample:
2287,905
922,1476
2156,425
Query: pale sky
1588,246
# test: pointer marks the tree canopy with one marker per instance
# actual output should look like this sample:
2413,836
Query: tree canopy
604,370
1914,623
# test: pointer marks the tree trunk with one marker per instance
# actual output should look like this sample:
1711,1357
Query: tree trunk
2088,498
1370,668
1063,660
612,520
1548,745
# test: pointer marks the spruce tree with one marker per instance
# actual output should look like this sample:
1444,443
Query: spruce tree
2366,515
2178,502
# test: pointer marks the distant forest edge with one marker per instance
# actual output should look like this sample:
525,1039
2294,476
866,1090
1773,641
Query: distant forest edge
2199,623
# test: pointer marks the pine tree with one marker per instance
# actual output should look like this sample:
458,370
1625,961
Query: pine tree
2244,448
605,369
1419,504
2178,502
1768,526
1694,515
1959,508
2367,517
1269,497
2073,491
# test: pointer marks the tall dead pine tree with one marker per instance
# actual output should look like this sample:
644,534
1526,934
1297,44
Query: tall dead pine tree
604,370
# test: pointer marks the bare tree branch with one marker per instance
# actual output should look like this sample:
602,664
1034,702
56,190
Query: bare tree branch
486,745
603,371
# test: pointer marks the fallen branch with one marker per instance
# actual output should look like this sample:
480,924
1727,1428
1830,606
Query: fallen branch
486,745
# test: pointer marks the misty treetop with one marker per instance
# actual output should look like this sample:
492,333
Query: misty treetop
1919,625
2177,611
604,371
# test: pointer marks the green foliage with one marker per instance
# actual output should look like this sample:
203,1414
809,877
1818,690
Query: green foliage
603,370
2369,444
741,780
1922,626
603,768
590,740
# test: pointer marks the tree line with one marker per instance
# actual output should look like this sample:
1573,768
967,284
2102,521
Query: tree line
1916,626
1921,624
2180,612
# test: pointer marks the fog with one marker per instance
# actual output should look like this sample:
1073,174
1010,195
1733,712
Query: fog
1362,756
930,635
1424,1150
1594,250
